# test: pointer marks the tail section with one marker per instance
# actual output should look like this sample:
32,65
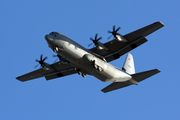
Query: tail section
135,79
129,65
143,75
129,68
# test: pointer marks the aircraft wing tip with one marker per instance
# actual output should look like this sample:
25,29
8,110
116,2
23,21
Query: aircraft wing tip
158,70
104,91
19,78
161,23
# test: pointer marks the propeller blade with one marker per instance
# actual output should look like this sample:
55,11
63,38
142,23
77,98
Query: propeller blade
109,31
41,61
90,44
44,59
114,28
96,36
54,55
99,38
114,32
36,66
37,60
41,57
118,28
95,40
56,60
109,37
91,38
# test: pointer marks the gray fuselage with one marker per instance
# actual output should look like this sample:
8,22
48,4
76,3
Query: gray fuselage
84,60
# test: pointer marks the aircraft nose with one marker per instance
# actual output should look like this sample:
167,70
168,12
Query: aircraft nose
49,40
46,37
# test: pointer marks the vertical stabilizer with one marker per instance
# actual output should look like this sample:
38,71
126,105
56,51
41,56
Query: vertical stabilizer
129,65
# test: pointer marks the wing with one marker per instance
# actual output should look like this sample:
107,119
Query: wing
135,39
61,74
58,67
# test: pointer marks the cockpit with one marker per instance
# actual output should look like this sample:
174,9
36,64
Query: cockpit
54,33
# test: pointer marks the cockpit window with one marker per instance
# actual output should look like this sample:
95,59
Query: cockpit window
53,33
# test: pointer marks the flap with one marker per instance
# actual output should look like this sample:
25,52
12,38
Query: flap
125,50
61,74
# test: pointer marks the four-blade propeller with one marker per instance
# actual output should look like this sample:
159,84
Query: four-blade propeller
114,32
41,61
95,40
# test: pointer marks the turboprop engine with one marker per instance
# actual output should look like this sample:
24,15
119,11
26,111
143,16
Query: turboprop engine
116,35
43,64
89,58
120,38
98,44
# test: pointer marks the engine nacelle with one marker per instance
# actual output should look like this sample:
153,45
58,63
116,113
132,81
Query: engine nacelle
101,46
46,66
120,38
88,58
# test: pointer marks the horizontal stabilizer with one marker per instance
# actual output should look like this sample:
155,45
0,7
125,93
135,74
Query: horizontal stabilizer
136,77
143,75
114,86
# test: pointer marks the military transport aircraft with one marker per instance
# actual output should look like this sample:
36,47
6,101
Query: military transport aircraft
76,59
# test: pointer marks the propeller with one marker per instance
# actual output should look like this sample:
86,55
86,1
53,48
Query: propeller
114,32
41,61
95,40
58,57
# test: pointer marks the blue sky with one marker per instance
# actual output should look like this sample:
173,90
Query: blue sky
23,27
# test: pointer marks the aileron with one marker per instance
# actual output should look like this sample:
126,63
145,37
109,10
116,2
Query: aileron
143,32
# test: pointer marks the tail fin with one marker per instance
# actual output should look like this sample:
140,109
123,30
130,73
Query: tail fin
129,64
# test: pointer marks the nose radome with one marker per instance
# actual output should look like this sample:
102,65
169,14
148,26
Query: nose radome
46,37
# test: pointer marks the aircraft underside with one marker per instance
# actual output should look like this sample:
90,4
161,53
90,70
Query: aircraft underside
74,58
